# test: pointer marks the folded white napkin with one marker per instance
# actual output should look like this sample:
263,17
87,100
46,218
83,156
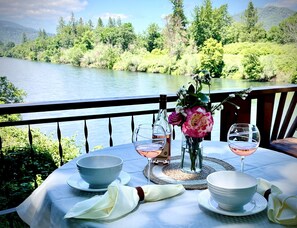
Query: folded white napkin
119,200
282,208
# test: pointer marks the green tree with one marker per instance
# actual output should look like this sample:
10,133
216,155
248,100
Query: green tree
61,26
209,23
99,23
24,38
250,17
252,30
288,28
81,28
178,14
80,21
9,93
121,36
90,24
212,57
153,37
10,45
253,70
87,40
126,35
73,24
111,22
175,35
42,34
275,34
232,33
119,22
66,34
1,49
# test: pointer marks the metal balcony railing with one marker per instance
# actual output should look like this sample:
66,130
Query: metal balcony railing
265,99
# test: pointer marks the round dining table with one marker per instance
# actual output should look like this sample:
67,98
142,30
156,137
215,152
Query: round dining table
48,204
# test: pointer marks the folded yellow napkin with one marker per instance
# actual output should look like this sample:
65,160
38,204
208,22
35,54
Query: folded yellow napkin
119,200
282,208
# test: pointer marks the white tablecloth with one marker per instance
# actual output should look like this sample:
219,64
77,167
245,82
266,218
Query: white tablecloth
48,204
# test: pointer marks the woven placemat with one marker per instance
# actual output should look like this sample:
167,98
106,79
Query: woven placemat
171,174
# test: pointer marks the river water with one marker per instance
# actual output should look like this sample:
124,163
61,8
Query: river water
56,82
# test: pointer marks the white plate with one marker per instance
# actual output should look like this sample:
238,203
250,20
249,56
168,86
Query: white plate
257,204
77,182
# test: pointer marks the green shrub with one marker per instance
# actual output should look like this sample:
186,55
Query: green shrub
187,65
259,48
269,66
233,68
103,56
157,63
21,170
294,77
252,67
128,62
72,56
212,57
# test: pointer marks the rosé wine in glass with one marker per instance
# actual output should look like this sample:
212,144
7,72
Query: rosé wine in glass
243,140
149,140
149,151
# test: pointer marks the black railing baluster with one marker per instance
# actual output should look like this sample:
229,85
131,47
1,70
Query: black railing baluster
1,154
132,126
32,155
60,143
30,140
86,136
110,132
154,119
173,133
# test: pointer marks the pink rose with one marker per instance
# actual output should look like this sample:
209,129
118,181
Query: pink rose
199,122
175,118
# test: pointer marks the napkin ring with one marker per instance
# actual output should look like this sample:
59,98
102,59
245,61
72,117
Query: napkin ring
267,193
140,193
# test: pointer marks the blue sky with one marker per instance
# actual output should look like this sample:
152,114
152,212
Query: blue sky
44,14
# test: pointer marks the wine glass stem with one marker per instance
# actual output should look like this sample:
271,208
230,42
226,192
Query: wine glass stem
242,164
149,171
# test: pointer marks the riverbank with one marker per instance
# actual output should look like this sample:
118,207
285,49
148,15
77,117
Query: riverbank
276,62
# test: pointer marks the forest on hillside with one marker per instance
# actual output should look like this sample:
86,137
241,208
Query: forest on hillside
210,41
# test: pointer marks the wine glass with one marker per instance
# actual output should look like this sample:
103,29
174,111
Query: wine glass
149,140
243,140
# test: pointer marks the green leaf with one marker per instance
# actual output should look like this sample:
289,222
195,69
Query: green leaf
191,89
204,98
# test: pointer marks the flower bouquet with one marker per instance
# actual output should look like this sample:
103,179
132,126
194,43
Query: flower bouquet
194,114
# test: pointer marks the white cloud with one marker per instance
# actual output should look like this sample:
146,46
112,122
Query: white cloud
106,16
291,4
42,9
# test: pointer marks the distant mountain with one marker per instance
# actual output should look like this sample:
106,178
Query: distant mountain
10,31
269,16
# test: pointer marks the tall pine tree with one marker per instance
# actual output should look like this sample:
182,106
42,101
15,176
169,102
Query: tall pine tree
175,34
250,17
252,31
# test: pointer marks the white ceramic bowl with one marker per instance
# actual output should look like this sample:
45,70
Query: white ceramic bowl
99,170
231,189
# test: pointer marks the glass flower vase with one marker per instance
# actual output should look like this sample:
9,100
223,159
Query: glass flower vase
191,154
